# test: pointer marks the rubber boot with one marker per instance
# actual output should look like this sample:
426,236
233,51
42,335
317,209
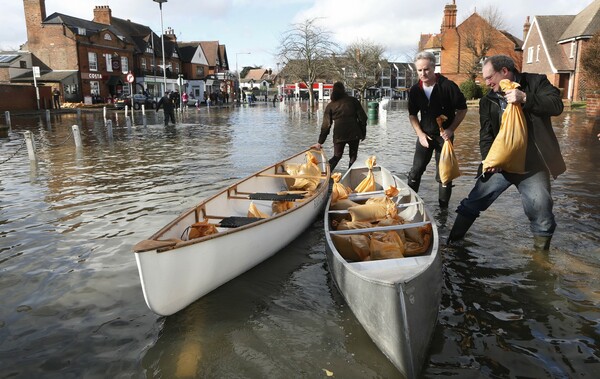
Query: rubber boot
444,195
460,228
414,184
541,243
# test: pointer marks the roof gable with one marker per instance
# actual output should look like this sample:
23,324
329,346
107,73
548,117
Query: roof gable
585,24
550,28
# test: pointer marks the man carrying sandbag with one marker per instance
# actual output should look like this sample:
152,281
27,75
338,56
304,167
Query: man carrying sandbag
433,96
539,101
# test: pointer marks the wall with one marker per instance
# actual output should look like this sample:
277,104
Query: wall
21,98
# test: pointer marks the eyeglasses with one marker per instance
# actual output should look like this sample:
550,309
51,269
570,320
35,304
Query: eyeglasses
489,77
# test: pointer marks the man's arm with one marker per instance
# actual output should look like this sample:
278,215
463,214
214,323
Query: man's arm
449,132
414,121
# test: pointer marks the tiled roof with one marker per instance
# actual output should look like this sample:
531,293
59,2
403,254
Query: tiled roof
74,23
256,74
551,28
210,49
586,23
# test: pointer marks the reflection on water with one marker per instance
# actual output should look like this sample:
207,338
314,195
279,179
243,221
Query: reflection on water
72,305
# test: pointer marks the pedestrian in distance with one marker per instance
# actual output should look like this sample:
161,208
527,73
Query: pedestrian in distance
56,98
539,100
168,108
433,96
184,99
350,125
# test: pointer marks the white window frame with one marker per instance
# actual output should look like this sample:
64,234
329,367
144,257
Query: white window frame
108,62
573,46
95,87
537,53
93,61
143,63
124,65
107,37
530,54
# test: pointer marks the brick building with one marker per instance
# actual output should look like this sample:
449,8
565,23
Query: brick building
459,49
554,46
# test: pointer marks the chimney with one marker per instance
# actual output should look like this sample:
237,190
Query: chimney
35,14
526,27
170,34
102,14
449,21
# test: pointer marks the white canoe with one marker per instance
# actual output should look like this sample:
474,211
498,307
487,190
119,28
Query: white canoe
395,300
175,272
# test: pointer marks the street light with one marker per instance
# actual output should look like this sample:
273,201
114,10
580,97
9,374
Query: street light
238,75
162,40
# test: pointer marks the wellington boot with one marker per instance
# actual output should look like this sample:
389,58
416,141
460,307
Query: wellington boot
460,228
444,195
541,243
414,184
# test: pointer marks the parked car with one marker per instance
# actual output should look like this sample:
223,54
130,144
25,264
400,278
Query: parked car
138,100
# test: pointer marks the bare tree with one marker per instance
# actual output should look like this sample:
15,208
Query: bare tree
361,65
591,64
307,51
478,39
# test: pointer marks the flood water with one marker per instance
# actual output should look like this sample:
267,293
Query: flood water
72,305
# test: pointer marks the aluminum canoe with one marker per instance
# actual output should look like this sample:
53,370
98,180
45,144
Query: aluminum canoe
395,300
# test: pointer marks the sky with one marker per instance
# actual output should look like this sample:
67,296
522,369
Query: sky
256,27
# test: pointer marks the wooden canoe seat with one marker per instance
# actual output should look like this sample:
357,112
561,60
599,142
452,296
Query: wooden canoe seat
237,221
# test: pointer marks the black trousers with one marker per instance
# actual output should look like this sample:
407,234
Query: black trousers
171,115
338,152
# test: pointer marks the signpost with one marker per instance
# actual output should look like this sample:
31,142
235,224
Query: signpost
130,80
36,74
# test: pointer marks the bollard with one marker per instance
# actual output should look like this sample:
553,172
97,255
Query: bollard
128,122
144,120
77,136
30,146
104,112
117,118
126,110
7,116
144,109
48,117
109,129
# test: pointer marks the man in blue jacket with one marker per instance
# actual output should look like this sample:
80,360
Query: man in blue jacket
434,96
539,100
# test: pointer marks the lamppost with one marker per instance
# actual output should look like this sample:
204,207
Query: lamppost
239,86
162,40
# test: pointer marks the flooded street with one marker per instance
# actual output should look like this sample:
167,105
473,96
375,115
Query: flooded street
72,304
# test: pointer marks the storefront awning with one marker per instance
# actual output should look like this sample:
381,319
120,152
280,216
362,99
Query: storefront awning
114,80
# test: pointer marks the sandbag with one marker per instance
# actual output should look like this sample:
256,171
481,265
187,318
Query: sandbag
413,247
391,191
253,211
349,225
448,164
386,245
201,229
310,168
368,212
353,247
388,203
509,149
338,190
389,221
281,206
343,204
368,183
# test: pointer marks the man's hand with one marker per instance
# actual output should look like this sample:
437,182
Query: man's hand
447,134
513,96
423,140
316,146
493,170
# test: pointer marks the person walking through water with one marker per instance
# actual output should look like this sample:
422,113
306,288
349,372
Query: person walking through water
350,125
433,96
56,97
168,108
540,100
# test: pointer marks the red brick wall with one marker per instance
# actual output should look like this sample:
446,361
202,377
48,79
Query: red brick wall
593,105
18,98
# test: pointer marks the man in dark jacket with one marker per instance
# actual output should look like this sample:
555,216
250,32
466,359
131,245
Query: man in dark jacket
350,124
433,96
540,100
168,108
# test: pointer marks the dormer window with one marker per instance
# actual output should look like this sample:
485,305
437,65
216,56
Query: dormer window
107,37
81,31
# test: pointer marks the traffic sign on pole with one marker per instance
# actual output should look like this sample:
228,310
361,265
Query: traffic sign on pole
130,78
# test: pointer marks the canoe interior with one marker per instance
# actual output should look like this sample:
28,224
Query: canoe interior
233,202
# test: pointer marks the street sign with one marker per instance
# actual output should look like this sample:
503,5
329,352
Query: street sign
180,80
130,78
36,71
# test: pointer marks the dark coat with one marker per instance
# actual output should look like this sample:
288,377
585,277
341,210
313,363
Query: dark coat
446,98
166,103
350,120
543,101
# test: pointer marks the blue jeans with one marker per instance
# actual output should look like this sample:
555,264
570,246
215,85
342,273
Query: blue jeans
534,188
